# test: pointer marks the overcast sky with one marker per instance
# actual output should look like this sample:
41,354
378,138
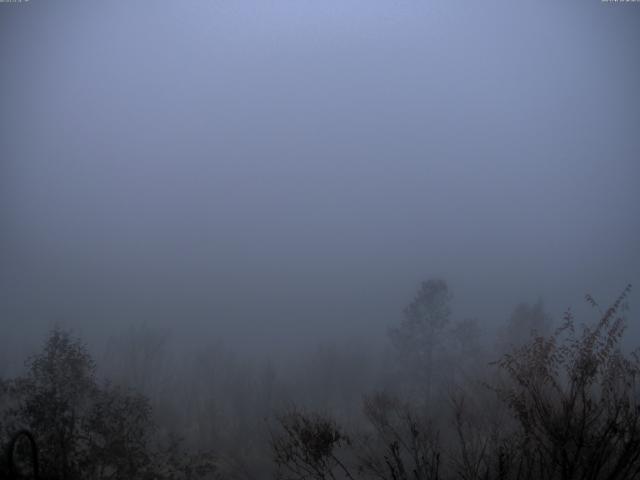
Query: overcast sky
276,171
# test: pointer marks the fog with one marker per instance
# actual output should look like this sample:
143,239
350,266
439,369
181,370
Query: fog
277,177
278,172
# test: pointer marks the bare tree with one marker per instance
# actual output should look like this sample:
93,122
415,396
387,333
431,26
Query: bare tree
403,444
575,399
308,447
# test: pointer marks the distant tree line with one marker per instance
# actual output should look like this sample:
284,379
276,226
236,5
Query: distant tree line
542,401
563,406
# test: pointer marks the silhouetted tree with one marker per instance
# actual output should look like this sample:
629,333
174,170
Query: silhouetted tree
421,330
403,444
525,323
575,399
88,431
54,399
308,447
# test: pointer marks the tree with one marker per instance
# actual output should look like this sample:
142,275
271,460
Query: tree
525,323
467,355
86,430
117,429
576,403
307,447
402,445
55,397
421,330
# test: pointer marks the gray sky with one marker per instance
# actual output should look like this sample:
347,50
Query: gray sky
275,171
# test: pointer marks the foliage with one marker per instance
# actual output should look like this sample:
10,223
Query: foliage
54,400
173,462
575,399
84,430
561,406
308,447
568,408
403,444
